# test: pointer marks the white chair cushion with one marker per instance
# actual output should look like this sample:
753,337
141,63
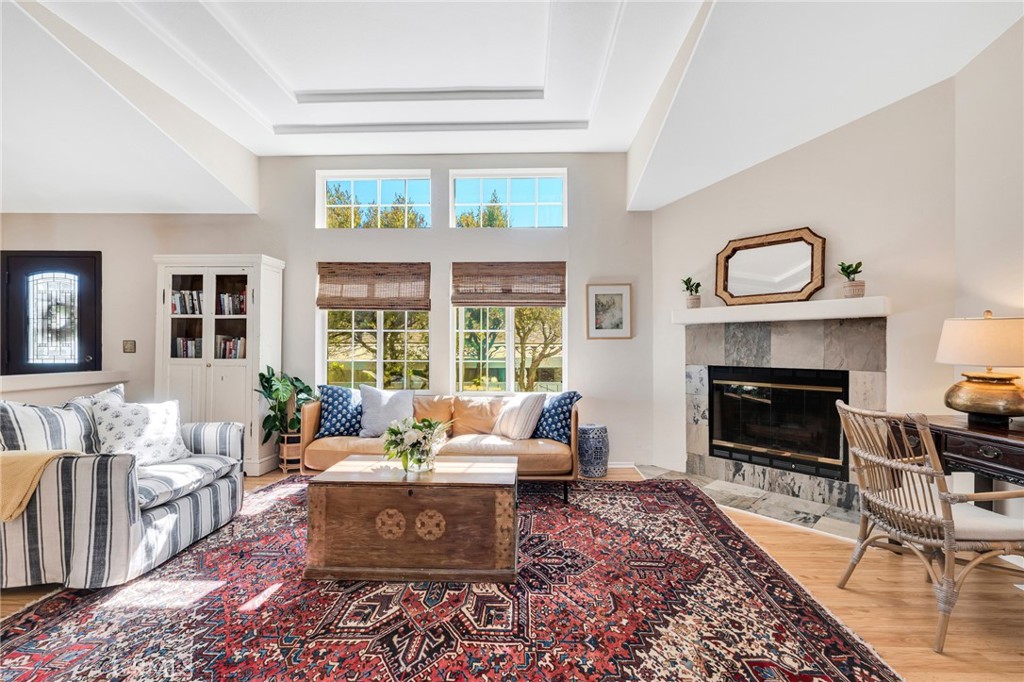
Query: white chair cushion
971,522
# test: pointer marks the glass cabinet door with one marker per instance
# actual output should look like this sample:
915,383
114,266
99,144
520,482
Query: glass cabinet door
186,310
230,319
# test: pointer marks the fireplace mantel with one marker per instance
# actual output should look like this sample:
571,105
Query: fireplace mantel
829,309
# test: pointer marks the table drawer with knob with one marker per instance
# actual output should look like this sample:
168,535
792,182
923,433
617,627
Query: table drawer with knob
984,453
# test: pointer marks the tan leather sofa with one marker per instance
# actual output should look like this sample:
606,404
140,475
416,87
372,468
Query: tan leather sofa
474,418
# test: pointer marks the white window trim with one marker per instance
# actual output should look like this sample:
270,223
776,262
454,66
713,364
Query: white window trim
463,173
510,355
323,176
320,346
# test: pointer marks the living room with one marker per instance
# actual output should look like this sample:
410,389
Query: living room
627,143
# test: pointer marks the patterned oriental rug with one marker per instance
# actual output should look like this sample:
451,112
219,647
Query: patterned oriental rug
629,581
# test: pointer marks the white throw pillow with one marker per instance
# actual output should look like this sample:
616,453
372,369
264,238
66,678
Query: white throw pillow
519,416
151,432
380,408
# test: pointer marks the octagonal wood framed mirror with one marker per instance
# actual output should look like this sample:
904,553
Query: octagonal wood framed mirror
771,268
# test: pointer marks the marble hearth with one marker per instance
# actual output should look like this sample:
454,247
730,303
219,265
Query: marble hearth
855,345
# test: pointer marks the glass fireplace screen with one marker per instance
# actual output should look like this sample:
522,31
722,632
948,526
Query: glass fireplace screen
781,418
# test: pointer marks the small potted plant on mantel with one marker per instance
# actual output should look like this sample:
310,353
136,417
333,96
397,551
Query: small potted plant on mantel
852,287
693,289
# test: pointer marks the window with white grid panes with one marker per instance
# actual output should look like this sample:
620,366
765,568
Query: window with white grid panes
373,200
506,199
484,337
389,349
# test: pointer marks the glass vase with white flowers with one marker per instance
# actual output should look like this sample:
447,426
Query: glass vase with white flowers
415,442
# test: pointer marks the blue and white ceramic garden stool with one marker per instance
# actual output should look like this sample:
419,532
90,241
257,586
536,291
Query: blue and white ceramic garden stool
593,450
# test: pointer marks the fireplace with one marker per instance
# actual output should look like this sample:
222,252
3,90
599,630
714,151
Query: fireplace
779,418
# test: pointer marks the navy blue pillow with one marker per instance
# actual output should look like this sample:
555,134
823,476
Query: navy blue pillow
341,411
556,419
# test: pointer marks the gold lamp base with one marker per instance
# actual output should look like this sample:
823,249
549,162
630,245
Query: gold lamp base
988,398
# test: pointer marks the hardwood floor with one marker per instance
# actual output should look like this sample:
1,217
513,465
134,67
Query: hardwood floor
887,602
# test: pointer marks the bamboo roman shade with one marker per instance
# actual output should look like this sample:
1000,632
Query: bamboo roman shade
509,284
374,286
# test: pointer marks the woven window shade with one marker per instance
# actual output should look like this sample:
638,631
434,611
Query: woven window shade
509,284
374,286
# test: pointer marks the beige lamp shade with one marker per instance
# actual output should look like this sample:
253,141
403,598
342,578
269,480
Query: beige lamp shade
982,342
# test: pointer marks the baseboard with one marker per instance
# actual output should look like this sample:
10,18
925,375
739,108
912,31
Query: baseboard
260,466
621,465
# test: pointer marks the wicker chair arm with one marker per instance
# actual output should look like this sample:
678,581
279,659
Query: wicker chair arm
958,498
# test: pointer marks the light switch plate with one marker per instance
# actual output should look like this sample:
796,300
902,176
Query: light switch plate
128,346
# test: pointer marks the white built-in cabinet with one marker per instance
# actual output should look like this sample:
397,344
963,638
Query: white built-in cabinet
218,326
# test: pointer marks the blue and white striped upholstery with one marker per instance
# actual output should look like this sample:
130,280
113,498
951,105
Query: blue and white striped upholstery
85,527
161,483
214,438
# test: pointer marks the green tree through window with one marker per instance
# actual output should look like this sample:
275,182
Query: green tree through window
482,349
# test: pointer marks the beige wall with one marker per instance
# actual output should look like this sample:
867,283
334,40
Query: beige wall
989,214
603,243
879,190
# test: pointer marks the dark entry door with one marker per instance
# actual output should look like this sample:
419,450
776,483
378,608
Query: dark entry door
51,311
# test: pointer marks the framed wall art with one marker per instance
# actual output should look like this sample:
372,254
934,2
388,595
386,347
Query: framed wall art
609,311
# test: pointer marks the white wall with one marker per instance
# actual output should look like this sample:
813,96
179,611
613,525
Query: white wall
989,213
989,217
879,190
603,243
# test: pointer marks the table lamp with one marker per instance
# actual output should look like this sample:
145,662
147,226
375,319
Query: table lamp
989,398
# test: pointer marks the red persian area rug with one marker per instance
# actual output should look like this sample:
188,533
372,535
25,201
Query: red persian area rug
629,581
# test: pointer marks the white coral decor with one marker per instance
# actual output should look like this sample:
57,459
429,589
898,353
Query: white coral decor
415,442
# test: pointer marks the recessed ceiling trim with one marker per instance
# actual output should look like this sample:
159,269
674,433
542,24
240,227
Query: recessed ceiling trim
331,128
193,60
415,95
243,41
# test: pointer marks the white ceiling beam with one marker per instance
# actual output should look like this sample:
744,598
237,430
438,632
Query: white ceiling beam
639,153
416,95
333,128
231,164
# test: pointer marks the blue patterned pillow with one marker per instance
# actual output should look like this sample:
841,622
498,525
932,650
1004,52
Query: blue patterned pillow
341,411
556,419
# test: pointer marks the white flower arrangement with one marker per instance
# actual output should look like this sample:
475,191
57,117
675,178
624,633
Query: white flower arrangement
414,441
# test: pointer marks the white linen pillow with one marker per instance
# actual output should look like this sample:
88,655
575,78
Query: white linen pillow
519,416
151,431
380,408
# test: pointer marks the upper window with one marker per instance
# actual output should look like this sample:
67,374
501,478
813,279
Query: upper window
503,198
51,311
373,199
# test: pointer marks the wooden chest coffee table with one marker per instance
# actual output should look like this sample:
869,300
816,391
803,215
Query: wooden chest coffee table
369,520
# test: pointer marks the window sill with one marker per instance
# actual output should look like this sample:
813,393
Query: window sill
32,382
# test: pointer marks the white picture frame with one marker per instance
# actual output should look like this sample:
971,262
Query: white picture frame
609,311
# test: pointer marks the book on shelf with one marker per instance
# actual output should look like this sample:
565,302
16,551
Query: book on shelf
186,302
231,304
186,347
230,347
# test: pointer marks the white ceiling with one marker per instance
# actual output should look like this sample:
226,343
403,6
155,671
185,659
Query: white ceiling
302,78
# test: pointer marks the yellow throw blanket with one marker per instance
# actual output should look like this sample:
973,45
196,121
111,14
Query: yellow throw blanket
20,472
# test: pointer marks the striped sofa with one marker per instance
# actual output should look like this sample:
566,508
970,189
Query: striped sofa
96,520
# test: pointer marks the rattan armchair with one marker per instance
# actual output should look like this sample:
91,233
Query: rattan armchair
903,495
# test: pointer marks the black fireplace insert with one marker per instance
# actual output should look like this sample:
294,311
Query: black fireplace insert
780,418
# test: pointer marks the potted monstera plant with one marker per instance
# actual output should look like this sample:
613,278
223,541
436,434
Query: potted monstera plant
285,396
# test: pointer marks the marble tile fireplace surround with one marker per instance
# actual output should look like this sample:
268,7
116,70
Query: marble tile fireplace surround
855,345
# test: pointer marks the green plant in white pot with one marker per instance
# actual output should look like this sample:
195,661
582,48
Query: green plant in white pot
693,289
285,396
852,287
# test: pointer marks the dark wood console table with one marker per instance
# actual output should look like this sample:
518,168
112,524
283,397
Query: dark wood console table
990,454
